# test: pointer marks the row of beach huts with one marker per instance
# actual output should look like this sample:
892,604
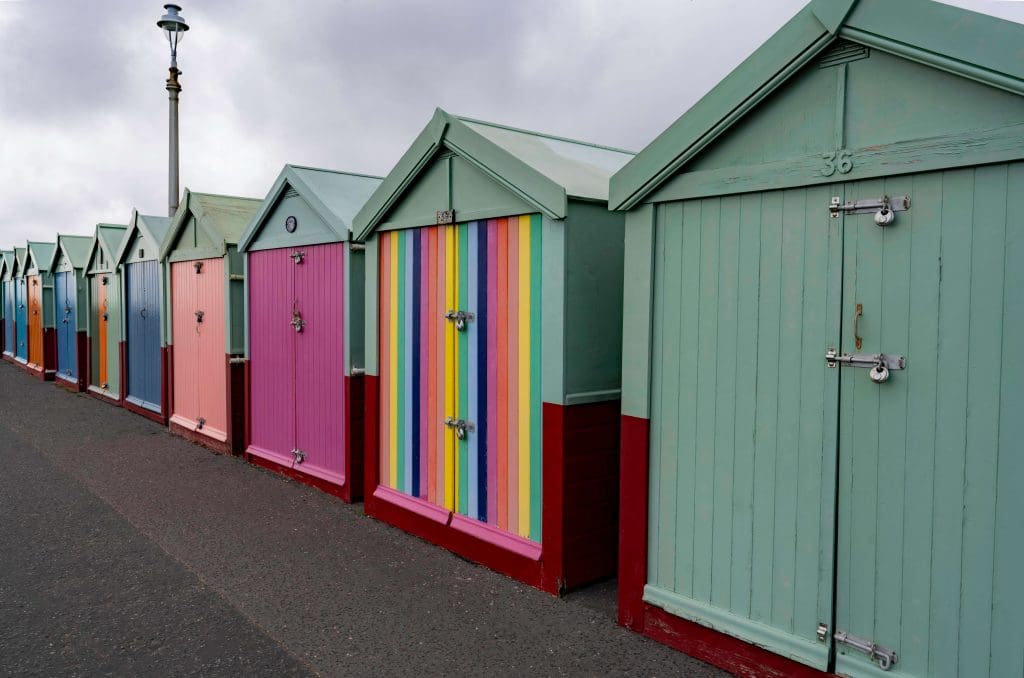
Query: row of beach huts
769,371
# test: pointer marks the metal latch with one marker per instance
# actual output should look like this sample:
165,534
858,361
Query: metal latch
199,316
297,322
884,207
461,426
299,455
297,257
200,423
882,655
460,318
880,364
198,265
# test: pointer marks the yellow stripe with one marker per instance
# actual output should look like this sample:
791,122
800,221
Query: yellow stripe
451,364
524,376
393,364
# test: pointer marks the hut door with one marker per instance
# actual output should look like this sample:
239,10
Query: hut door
21,316
35,320
103,320
460,369
9,317
929,548
272,356
143,313
64,284
318,327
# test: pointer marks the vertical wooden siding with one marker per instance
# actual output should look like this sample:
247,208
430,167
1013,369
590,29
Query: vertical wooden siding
142,294
34,285
742,442
9,316
200,371
66,300
320,405
930,546
487,375
272,355
21,324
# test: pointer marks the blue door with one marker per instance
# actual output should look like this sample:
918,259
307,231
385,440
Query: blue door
21,319
67,353
9,316
143,311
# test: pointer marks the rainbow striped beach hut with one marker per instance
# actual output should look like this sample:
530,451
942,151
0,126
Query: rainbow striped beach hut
493,289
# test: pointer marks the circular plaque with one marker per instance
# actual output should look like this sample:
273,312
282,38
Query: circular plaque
290,224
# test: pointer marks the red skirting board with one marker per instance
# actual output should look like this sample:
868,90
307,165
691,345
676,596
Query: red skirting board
234,396
579,506
724,651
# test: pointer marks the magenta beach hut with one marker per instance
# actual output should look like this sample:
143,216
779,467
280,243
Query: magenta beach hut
305,329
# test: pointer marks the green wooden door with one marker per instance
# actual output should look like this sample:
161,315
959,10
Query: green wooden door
930,539
743,420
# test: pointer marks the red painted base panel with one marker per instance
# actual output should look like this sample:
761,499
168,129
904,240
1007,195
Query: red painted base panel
145,412
721,650
579,499
224,447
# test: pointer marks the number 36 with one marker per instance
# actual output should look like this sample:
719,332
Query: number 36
841,160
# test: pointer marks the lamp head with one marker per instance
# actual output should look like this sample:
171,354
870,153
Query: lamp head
174,26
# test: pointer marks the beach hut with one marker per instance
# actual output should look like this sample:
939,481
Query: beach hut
7,303
205,319
822,387
493,301
143,348
42,340
71,298
17,279
304,280
104,328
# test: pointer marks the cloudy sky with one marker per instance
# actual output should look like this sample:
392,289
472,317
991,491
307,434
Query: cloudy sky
343,84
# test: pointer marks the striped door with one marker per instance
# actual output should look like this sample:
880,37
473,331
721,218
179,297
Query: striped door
34,285
21,319
487,375
9,316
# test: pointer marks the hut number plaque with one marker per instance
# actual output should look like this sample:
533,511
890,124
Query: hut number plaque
445,217
290,224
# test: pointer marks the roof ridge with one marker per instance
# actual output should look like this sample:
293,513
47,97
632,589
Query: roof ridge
553,137
332,171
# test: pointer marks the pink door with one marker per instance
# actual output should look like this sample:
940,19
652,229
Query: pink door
319,362
298,375
198,336
272,355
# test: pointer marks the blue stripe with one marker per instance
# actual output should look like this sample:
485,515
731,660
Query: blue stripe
417,250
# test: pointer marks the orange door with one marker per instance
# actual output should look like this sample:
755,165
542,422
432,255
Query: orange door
103,336
35,320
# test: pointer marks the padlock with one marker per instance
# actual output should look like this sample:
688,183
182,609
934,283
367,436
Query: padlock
884,216
879,374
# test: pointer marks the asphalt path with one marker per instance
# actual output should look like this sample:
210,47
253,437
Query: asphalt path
127,551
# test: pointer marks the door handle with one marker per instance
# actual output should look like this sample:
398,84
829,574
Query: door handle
857,339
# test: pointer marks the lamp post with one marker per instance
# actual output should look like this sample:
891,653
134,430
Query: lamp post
174,27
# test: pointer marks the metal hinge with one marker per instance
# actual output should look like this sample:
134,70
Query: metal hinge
357,371
883,207
882,655
460,318
297,322
461,426
357,247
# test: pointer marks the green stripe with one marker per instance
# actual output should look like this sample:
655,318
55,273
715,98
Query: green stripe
536,413
400,347
462,448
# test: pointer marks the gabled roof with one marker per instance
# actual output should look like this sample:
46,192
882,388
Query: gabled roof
222,218
335,196
6,263
75,246
542,169
152,227
20,255
108,236
40,254
972,45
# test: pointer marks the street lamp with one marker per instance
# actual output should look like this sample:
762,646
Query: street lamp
174,26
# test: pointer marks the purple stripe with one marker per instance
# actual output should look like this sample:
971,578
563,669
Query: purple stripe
492,374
